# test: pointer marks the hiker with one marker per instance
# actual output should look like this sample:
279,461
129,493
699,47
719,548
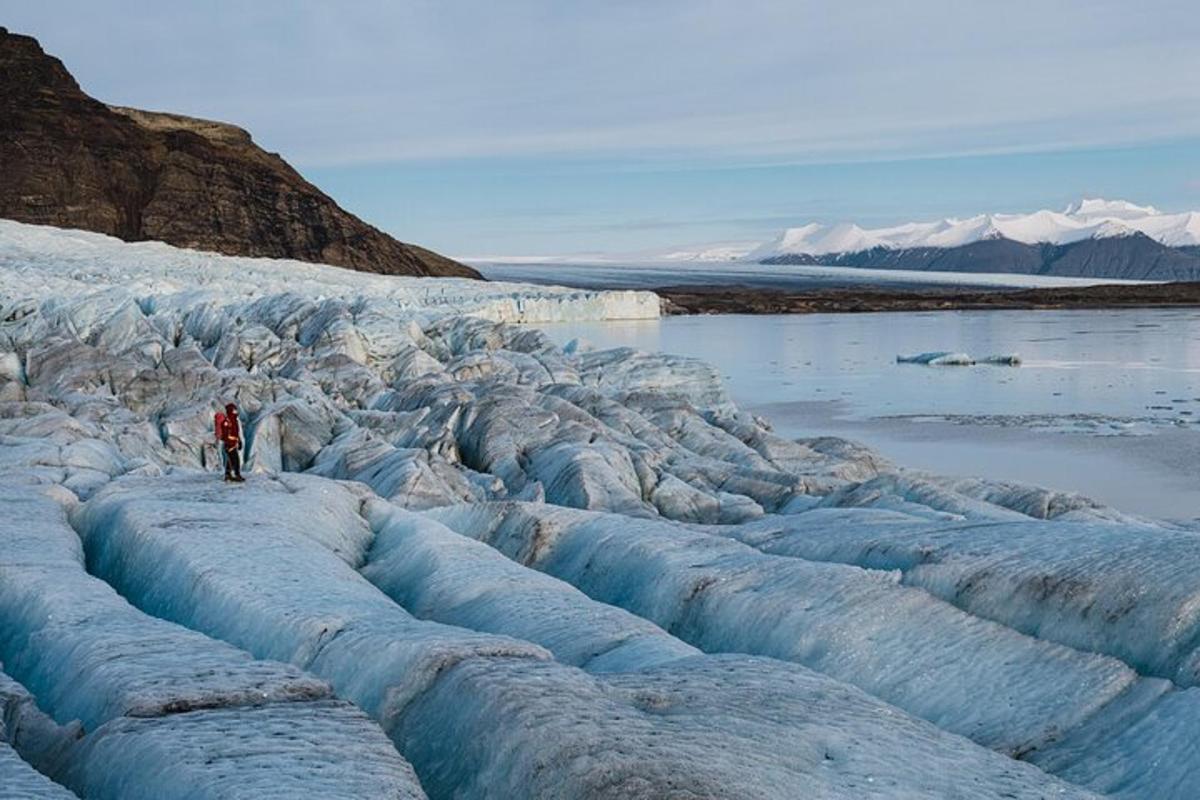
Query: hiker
229,437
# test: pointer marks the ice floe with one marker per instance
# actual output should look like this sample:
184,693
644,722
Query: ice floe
942,358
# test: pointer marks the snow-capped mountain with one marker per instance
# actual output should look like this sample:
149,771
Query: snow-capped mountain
1087,219
1091,238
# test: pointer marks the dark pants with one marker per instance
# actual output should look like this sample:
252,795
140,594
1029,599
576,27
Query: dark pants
233,463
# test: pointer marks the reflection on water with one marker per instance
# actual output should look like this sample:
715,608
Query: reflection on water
1092,382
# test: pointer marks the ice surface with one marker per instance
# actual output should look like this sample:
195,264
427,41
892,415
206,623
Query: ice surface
750,729
20,781
264,573
87,654
27,736
478,715
40,262
275,749
438,574
925,495
938,359
1125,590
1131,591
1155,755
941,358
968,675
1086,374
650,610
288,750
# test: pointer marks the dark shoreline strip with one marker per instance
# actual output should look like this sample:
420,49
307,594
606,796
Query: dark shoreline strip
751,300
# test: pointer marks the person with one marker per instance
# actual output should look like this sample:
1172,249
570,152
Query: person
229,438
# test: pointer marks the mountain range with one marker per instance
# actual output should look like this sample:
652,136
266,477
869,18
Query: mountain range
1093,238
71,161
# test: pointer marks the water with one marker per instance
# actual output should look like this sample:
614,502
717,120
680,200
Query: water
1106,403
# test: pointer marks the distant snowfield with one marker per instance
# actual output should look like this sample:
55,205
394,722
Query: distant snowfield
472,563
651,275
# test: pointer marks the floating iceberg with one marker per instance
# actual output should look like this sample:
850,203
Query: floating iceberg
942,358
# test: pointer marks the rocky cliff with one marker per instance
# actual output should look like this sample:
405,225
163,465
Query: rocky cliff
71,161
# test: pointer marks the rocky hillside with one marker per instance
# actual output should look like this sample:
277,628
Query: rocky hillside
71,161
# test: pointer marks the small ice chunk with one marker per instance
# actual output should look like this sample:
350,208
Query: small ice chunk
945,358
938,358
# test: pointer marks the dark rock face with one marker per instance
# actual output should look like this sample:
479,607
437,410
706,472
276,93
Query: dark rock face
71,161
1134,257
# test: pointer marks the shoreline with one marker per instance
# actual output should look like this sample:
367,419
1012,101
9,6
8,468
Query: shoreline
717,299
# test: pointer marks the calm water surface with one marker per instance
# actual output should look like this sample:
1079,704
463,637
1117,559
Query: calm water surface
1105,402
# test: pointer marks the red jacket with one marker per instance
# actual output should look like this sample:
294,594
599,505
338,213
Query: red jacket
227,431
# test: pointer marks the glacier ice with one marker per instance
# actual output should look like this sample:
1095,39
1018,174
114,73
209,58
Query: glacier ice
157,701
19,780
88,655
937,358
1151,755
27,736
62,263
1131,591
751,729
437,574
943,358
537,570
326,748
479,714
966,674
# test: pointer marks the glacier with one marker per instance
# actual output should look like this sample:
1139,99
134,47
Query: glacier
144,701
24,726
470,563
285,589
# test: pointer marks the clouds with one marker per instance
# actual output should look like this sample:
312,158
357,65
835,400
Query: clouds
334,83
554,126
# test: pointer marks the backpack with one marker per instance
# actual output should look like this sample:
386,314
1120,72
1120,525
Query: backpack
218,424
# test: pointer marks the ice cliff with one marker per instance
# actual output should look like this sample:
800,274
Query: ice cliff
469,563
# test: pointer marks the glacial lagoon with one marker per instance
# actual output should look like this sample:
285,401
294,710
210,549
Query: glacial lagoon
1106,403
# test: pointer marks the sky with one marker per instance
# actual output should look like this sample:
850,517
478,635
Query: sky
556,127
